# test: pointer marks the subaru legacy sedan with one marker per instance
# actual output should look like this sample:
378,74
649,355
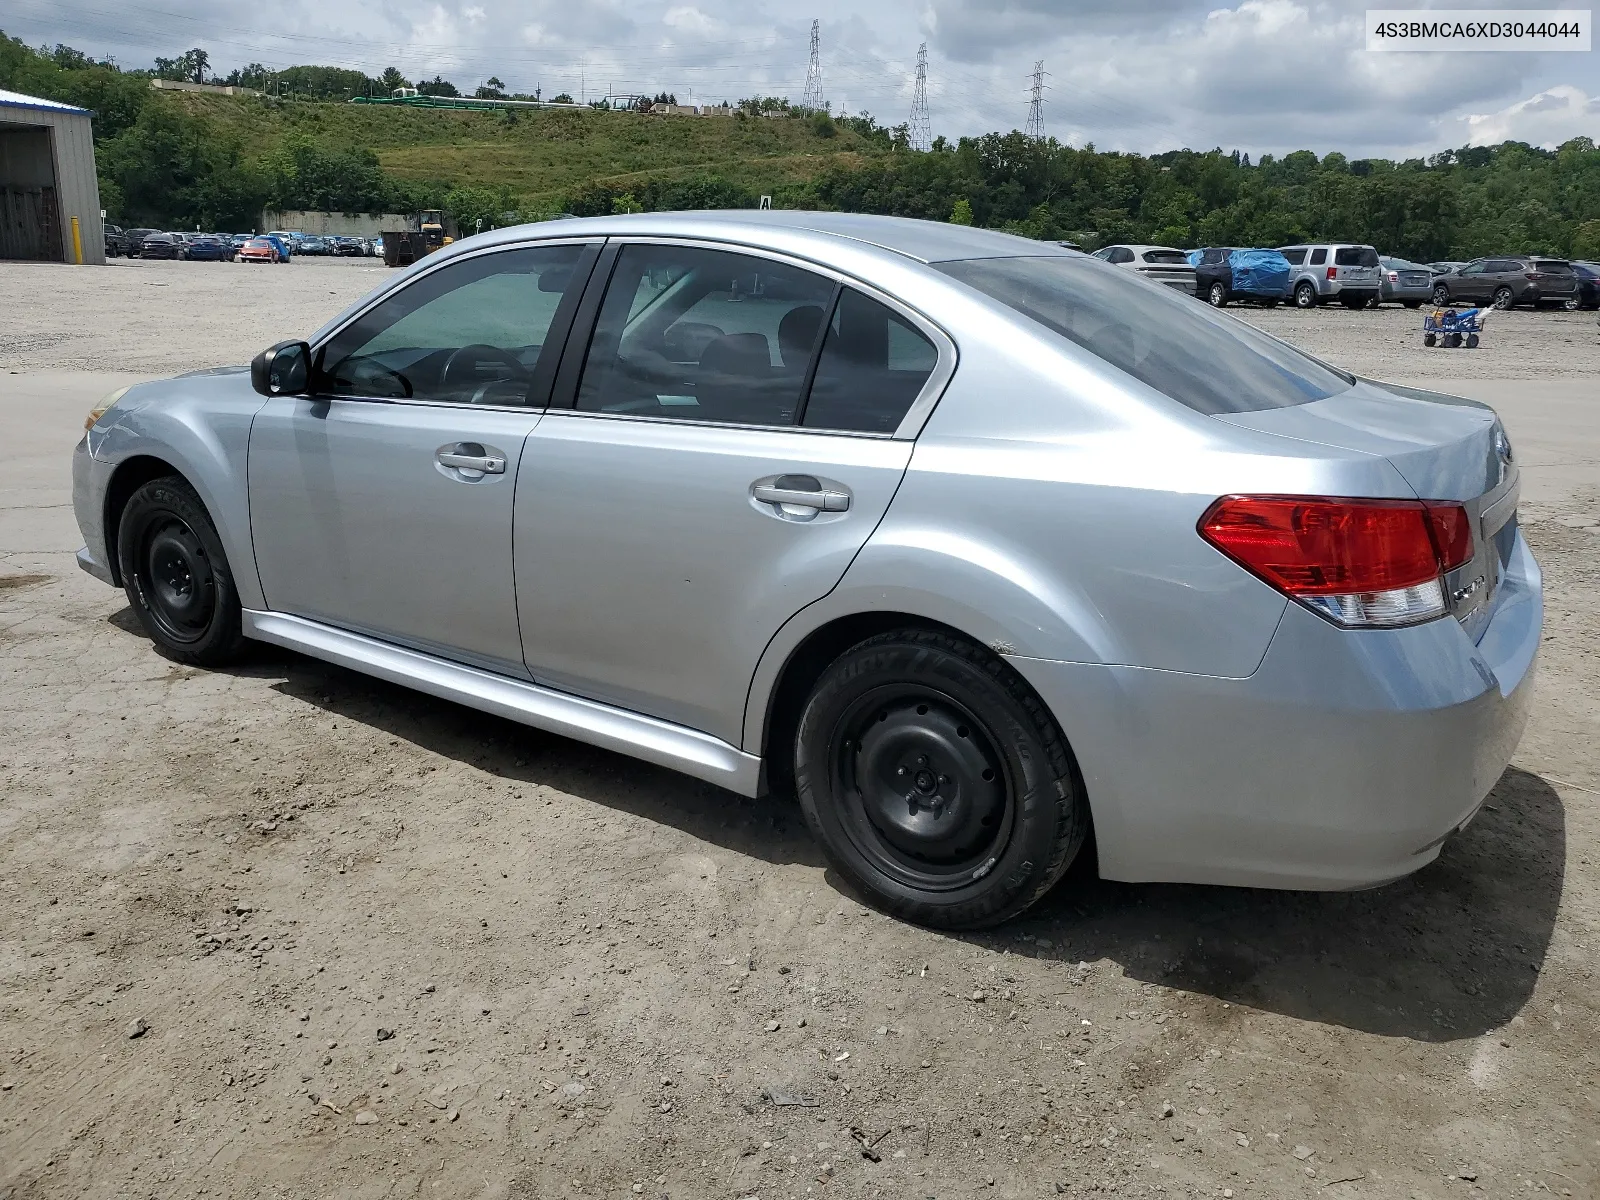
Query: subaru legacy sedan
971,543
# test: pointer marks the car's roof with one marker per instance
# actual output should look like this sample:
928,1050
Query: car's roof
925,241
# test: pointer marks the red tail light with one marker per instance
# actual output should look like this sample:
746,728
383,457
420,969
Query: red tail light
1333,272
1357,562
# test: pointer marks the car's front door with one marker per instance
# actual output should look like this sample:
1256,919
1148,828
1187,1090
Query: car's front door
382,501
730,447
1471,282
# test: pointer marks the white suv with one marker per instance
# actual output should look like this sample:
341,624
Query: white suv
1328,270
1159,264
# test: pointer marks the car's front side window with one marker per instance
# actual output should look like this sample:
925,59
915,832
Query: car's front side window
694,334
472,332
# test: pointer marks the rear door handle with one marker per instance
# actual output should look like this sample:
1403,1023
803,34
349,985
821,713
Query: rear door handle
824,500
488,464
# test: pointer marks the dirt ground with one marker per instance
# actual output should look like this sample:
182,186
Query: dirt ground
285,931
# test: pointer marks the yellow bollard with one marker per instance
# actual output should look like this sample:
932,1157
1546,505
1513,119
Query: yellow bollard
77,242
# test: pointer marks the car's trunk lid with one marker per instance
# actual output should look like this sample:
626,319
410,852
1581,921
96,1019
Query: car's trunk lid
1444,447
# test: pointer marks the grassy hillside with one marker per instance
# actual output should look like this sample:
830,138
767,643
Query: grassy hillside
542,154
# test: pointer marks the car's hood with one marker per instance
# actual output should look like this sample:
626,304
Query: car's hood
233,370
1445,447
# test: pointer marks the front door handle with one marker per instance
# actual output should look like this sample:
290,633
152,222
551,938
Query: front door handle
822,499
471,457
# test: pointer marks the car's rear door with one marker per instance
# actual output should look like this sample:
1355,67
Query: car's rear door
383,502
733,431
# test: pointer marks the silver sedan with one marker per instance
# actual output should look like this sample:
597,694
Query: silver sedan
972,543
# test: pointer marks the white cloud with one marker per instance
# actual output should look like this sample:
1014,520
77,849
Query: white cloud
1549,118
1146,75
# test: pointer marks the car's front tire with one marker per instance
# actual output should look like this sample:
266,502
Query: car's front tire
936,781
176,574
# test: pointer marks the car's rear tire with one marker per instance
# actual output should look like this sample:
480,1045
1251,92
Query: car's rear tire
1504,298
176,574
1305,295
936,781
1217,296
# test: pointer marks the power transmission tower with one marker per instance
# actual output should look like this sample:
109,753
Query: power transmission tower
1036,105
920,134
813,94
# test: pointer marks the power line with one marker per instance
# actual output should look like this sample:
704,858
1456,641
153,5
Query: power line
812,97
920,133
1036,105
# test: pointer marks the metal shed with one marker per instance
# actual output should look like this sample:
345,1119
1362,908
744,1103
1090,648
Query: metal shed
47,178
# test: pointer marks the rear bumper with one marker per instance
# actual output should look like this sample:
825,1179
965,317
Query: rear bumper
1344,762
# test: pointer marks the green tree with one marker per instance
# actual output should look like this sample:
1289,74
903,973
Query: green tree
961,212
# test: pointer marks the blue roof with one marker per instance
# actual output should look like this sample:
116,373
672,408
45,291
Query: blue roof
18,100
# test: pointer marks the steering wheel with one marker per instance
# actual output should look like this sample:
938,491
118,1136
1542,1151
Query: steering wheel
474,354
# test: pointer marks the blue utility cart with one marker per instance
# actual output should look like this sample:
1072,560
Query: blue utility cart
1449,328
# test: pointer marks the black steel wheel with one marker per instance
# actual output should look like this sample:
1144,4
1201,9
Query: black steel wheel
176,574
936,781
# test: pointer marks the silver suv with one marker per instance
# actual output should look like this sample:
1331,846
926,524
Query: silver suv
1343,270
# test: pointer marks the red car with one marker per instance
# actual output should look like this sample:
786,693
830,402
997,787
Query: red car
258,250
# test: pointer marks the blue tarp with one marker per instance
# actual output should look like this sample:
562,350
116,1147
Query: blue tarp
1193,256
1260,272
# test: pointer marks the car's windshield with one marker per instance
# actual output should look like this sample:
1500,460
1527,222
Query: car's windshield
1208,361
1166,256
1552,266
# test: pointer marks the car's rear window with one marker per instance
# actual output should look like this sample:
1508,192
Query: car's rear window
1552,266
1355,256
1201,358
1166,256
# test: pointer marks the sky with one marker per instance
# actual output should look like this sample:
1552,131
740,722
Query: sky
1139,75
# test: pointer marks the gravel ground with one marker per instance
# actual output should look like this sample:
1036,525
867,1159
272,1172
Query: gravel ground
288,931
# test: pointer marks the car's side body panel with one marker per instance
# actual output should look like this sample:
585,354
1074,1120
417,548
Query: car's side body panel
357,523
648,574
200,425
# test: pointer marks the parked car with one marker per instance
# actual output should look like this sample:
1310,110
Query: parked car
1340,271
375,247
1588,293
207,249
133,241
113,240
160,245
1070,246
259,249
1223,274
1444,266
287,242
314,246
1159,264
1507,282
957,630
238,240
1407,283
347,247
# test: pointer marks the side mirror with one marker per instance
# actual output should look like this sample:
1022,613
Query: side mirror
282,370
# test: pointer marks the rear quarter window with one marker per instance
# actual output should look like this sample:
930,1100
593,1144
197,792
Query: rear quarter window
1203,359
